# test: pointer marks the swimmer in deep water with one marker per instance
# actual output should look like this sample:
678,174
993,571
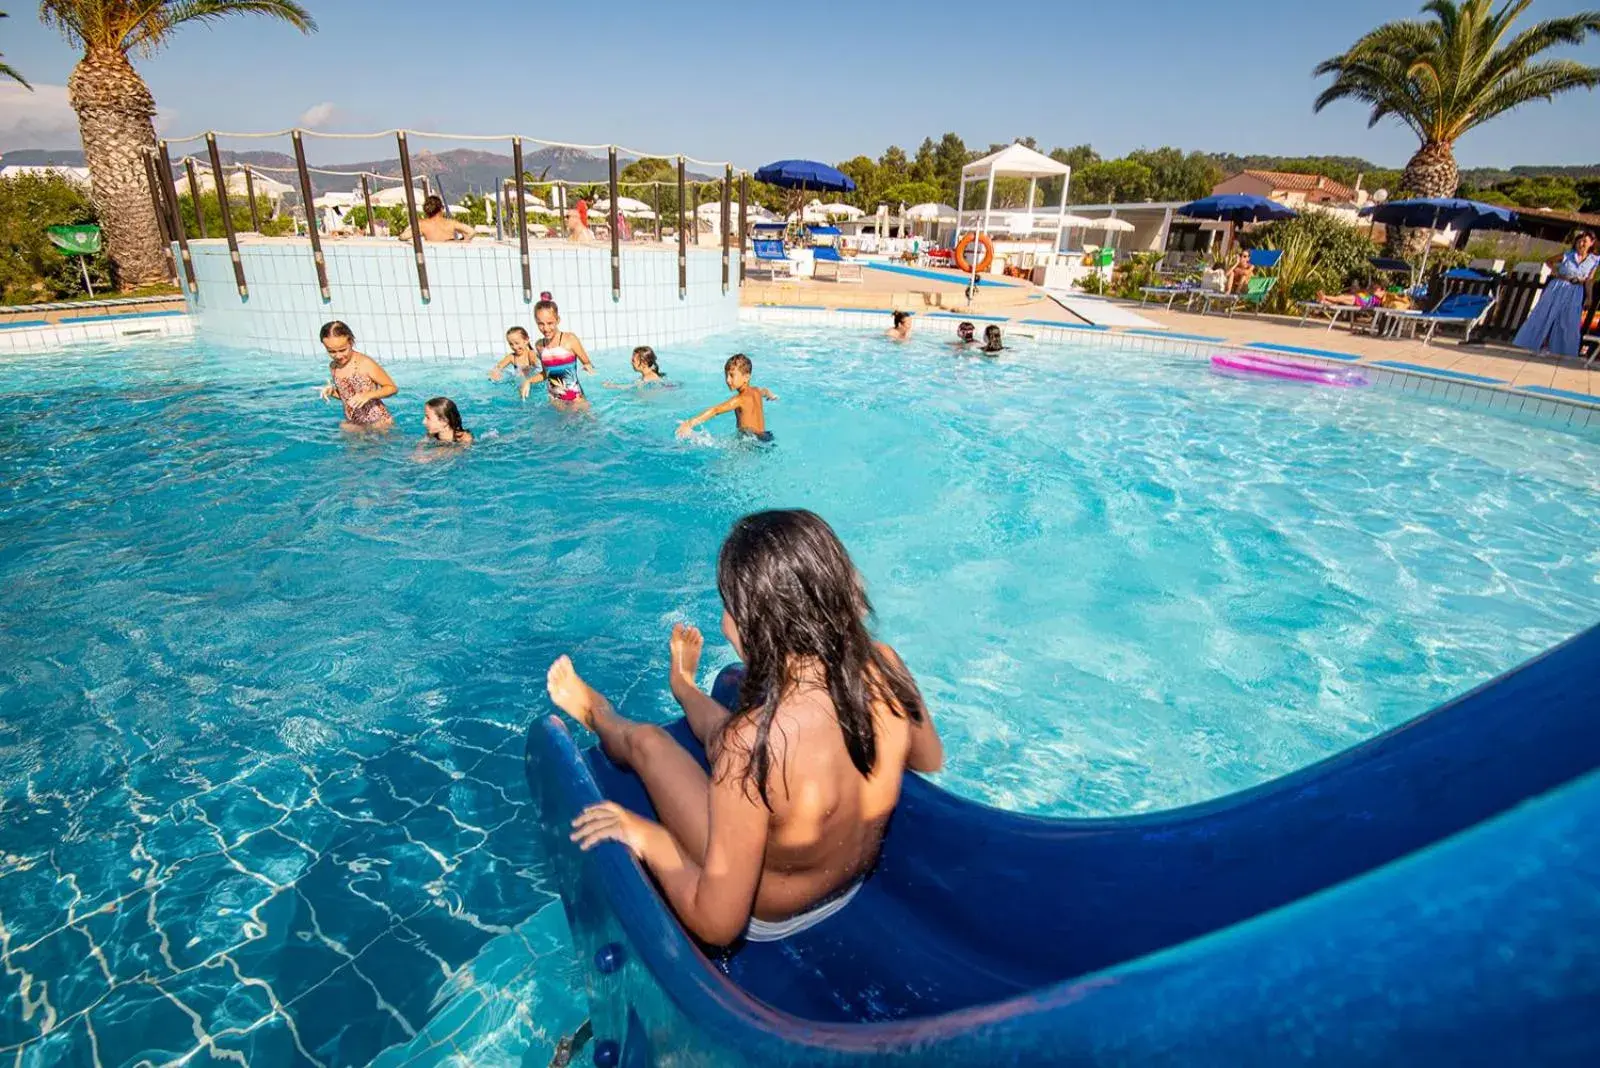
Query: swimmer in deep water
649,370
521,355
991,340
442,420
901,330
558,355
964,335
805,770
356,379
745,402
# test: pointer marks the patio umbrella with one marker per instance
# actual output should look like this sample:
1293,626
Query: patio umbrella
805,174
628,206
1429,213
935,212
1236,208
849,211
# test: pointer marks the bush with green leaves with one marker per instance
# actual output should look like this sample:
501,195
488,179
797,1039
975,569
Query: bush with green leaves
32,270
1321,252
238,209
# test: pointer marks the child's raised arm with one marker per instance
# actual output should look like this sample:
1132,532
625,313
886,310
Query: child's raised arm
505,361
581,353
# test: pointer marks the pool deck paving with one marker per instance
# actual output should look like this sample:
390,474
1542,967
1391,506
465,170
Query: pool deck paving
1021,305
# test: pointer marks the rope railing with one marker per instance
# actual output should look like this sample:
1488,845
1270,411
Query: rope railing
165,199
594,149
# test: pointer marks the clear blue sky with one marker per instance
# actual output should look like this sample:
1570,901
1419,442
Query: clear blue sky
838,78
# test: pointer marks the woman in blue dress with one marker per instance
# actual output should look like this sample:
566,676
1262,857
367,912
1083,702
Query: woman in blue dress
1556,324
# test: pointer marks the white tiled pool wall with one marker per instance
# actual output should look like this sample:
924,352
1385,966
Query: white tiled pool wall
112,328
475,295
1555,413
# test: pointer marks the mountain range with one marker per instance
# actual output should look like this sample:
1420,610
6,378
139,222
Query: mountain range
458,171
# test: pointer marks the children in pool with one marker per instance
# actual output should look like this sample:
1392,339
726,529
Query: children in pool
442,420
356,379
649,371
558,355
746,402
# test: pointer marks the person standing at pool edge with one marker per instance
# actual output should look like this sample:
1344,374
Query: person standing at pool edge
557,355
1556,324
805,772
356,379
745,402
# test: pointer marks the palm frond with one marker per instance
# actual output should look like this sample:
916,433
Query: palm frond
167,15
8,71
1459,67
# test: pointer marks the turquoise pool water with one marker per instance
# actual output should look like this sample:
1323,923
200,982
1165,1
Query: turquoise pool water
264,687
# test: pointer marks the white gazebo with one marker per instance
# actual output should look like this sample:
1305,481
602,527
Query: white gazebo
1013,161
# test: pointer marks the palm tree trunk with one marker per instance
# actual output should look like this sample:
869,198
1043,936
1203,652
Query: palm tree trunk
1432,172
115,119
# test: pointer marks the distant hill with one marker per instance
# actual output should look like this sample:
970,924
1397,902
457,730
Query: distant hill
460,170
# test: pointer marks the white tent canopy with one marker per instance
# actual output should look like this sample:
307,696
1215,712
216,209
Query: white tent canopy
848,211
637,209
940,212
1013,161
270,188
395,196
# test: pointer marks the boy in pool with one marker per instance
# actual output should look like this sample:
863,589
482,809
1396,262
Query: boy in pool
964,335
746,402
991,340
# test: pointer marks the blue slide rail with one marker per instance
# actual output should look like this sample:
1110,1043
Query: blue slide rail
1431,896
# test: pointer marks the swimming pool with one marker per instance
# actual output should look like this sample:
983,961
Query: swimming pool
264,688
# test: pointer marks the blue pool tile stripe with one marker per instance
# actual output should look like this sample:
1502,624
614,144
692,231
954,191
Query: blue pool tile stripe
1177,337
1326,354
21,324
1438,372
87,320
793,307
974,318
1064,326
1564,394
866,311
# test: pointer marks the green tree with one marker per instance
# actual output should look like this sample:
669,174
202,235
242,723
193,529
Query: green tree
1321,252
909,193
949,156
1117,181
1077,157
116,110
1176,176
1542,192
650,169
1462,67
7,71
238,211
31,269
1589,195
862,171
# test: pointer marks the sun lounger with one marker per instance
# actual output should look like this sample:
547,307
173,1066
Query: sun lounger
1170,293
1255,292
1591,345
770,257
1333,311
1465,310
829,264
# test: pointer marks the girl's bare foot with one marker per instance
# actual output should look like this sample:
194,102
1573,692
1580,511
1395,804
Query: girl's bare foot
687,645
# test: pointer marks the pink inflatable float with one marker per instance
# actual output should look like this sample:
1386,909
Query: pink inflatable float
1278,367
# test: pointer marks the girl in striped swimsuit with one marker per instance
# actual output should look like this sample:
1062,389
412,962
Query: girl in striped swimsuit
559,355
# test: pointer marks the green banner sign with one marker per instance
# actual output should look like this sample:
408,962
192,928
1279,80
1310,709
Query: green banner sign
74,240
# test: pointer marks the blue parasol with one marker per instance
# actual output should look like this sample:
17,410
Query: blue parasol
1236,208
805,174
1429,213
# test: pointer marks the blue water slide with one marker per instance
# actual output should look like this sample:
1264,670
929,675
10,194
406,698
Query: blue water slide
1431,896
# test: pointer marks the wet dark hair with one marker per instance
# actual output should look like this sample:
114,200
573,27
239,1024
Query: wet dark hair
791,589
647,356
546,304
738,362
519,330
446,409
336,328
991,338
432,205
900,317
964,331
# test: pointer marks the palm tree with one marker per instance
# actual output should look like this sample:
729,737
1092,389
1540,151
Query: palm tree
115,108
1445,76
7,71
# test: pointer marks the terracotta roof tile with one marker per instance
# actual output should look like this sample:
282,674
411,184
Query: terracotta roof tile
1307,182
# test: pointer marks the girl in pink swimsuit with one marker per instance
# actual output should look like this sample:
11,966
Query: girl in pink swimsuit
357,380
559,355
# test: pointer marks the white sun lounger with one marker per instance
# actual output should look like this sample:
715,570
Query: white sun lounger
1333,311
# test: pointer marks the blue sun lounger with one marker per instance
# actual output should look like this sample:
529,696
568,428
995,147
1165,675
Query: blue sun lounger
1425,897
1465,310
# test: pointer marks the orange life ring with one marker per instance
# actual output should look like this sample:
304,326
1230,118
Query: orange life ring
966,242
